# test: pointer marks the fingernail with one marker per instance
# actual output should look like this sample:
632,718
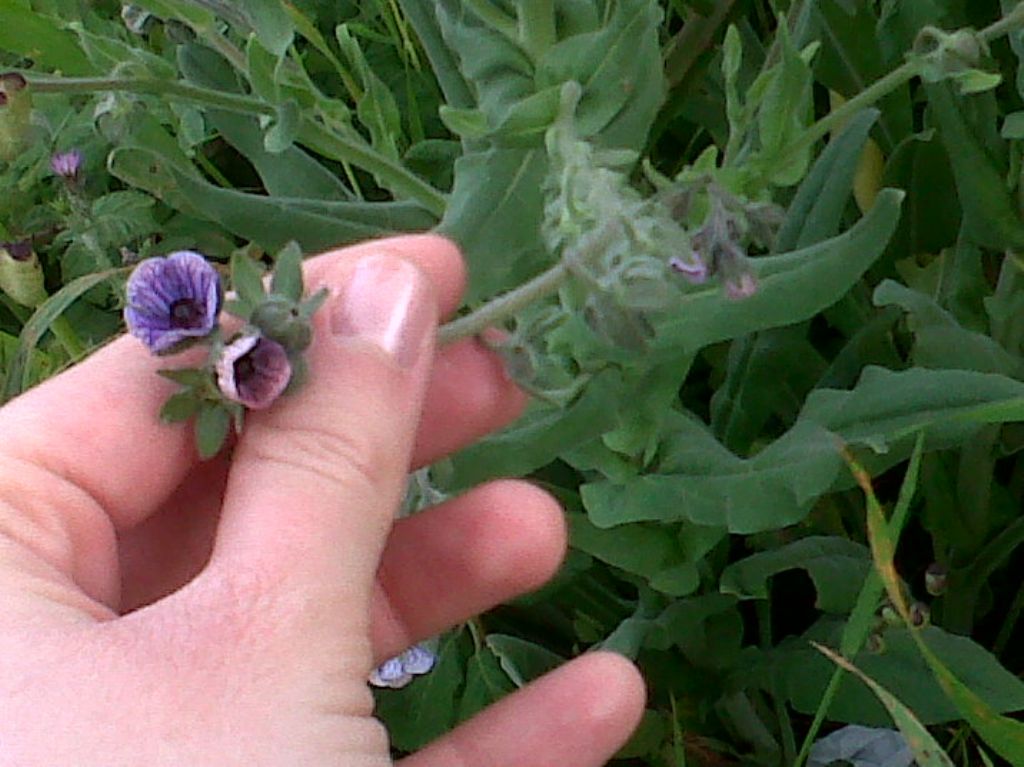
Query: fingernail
386,302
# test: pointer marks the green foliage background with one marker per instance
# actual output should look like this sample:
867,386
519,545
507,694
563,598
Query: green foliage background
717,527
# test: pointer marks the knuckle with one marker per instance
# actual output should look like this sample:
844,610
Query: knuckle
340,459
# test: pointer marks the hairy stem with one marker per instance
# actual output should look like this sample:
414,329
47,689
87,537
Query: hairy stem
504,306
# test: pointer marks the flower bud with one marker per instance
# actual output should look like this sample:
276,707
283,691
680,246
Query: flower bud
67,164
15,115
890,617
279,318
254,371
920,615
21,276
875,644
936,579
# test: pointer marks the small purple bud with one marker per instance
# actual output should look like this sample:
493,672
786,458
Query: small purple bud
67,164
172,300
741,286
254,371
693,269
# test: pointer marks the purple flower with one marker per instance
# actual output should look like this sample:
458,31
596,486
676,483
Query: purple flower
693,268
172,300
66,164
399,671
253,370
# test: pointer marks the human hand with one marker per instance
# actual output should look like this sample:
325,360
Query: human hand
157,610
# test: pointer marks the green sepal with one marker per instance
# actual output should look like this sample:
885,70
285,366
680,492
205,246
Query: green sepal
246,279
194,378
241,309
287,280
308,307
211,429
180,407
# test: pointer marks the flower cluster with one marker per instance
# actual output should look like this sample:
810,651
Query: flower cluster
397,672
174,302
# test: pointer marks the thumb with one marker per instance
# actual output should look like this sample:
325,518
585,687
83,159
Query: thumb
316,480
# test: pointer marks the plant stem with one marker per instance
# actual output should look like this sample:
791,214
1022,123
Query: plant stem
504,306
230,102
837,117
536,26
1004,26
390,174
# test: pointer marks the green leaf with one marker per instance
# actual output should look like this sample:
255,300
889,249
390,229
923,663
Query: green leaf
191,377
289,173
486,683
377,109
1004,735
287,277
538,438
701,481
940,341
180,407
886,407
211,431
521,660
273,25
899,666
640,549
285,128
836,565
27,32
269,221
851,59
793,287
247,278
621,71
767,375
816,211
927,753
44,316
443,60
990,215
494,214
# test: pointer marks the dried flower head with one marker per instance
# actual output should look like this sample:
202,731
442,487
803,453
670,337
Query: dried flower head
172,301
254,371
67,164
397,672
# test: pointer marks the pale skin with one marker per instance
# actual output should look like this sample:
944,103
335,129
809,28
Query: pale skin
161,611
